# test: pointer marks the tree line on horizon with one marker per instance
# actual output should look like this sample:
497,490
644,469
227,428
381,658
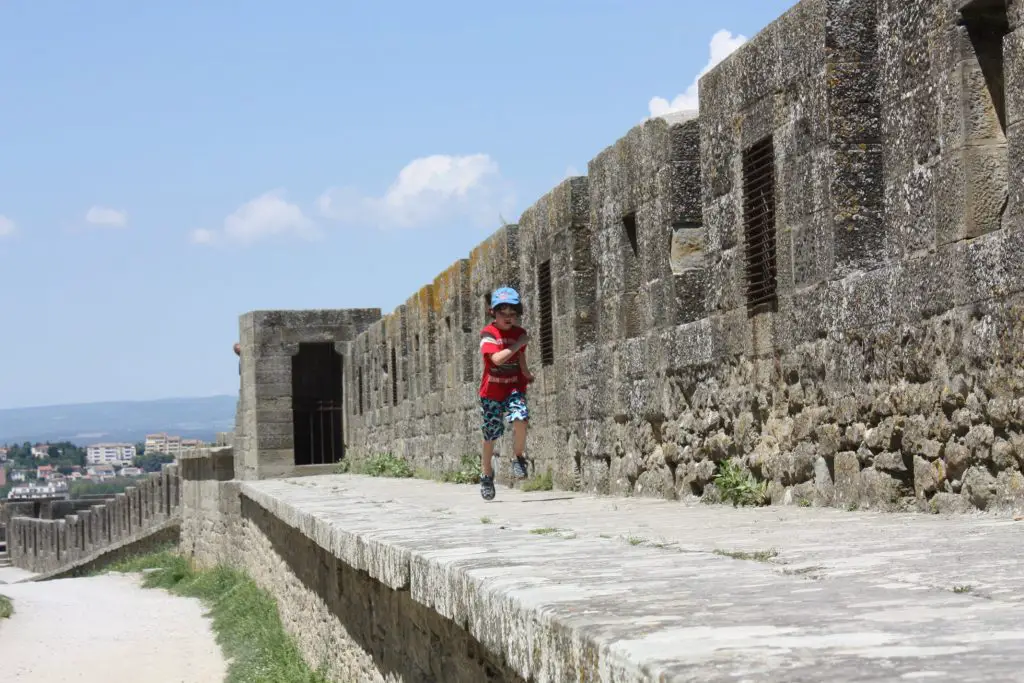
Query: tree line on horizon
64,456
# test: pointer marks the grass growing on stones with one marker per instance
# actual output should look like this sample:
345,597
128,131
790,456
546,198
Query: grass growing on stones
389,465
468,472
380,465
738,486
539,482
6,607
245,618
757,556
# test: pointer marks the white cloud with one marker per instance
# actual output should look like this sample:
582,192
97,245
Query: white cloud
7,226
427,191
101,215
266,216
723,44
203,236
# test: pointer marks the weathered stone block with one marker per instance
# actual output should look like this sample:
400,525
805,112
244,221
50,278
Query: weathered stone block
847,478
854,109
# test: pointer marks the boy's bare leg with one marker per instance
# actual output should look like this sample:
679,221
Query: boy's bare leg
519,449
486,466
519,428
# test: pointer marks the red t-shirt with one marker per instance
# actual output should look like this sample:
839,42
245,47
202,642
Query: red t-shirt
500,380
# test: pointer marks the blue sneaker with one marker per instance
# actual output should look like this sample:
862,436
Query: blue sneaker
519,467
487,487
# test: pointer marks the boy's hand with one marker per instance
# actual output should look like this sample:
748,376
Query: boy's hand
528,377
524,338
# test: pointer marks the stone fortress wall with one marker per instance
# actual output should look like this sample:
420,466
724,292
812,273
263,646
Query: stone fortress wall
819,278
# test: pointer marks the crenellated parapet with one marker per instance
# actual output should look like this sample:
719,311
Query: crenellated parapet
49,546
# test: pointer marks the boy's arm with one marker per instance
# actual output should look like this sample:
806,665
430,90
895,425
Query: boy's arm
499,357
525,368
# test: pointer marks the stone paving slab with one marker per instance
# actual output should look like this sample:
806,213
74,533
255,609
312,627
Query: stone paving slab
648,590
15,575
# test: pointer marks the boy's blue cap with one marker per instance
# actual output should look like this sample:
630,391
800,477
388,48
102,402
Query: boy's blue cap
504,295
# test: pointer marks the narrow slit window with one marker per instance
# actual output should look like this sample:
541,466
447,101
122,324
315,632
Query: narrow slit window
546,314
759,226
987,24
629,225
360,391
394,377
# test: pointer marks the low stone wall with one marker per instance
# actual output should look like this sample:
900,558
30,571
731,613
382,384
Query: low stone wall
148,540
45,546
340,616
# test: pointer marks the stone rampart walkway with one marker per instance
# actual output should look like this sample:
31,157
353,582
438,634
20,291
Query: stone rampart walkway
643,588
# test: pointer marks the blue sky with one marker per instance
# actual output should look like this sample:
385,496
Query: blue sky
167,166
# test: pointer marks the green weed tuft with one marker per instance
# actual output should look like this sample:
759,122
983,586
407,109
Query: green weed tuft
468,473
738,486
539,482
757,555
380,465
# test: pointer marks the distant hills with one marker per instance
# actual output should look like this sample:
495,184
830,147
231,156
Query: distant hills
128,421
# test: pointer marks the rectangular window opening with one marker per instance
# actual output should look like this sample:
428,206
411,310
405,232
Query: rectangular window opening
629,225
547,332
759,226
987,24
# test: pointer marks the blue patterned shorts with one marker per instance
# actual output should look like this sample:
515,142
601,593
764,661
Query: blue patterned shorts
496,413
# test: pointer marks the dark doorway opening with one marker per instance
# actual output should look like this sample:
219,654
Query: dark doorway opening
317,407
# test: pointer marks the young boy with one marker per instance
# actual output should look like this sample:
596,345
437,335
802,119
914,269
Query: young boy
503,386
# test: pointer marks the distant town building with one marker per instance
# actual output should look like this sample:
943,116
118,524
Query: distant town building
100,472
3,454
57,490
44,471
19,475
109,453
170,445
41,451
131,472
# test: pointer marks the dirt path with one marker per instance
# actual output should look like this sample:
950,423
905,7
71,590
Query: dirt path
106,629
